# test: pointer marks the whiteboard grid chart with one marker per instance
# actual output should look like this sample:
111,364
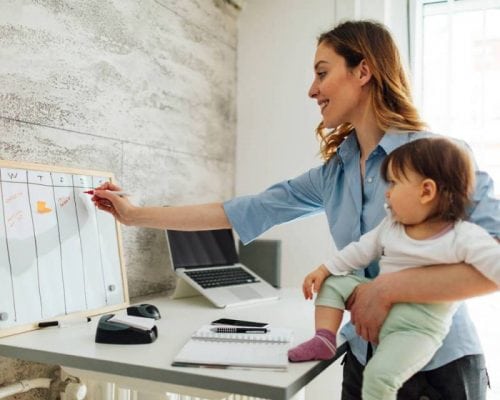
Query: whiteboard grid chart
59,255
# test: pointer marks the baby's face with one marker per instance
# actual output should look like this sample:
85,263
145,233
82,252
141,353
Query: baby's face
403,197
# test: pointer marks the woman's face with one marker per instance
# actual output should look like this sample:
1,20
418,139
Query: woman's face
336,88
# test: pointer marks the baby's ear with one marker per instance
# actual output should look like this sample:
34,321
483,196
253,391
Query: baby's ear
428,190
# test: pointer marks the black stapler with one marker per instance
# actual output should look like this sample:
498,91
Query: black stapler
119,333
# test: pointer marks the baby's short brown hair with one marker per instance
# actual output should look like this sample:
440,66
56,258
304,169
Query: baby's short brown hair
446,163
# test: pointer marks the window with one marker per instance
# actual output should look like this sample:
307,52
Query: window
456,64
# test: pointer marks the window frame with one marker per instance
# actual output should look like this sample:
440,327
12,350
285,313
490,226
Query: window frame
416,18
417,11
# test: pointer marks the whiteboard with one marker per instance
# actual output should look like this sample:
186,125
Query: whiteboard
59,255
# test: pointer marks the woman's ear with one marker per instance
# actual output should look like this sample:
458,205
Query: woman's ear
364,72
428,191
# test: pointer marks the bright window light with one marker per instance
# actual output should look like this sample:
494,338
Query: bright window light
457,74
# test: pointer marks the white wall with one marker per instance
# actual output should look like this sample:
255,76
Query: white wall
276,119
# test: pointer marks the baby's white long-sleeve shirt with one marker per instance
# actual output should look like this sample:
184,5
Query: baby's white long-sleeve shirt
465,242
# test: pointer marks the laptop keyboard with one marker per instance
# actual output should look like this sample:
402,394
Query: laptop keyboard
221,277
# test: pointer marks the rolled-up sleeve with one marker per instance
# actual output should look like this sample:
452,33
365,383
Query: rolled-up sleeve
252,215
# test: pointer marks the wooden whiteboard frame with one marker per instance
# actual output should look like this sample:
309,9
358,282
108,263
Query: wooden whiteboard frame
84,313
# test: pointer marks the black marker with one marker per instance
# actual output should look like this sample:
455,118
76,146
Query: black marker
64,323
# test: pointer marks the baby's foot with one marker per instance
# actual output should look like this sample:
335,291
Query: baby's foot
321,347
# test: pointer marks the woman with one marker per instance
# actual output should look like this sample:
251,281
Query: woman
364,98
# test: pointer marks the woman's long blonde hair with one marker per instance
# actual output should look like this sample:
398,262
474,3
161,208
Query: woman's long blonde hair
389,88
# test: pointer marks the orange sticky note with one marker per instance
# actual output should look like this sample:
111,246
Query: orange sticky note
41,207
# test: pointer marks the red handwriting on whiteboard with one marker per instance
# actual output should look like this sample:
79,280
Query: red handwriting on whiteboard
13,197
14,218
63,201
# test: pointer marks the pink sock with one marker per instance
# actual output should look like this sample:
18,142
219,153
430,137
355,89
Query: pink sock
321,347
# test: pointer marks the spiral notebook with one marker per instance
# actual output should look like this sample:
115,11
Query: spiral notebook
241,350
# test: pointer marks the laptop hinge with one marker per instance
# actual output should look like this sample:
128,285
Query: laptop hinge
184,289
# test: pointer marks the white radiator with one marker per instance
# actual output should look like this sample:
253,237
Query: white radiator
101,386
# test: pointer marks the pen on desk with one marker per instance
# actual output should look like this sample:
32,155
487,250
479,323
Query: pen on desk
121,194
65,323
239,330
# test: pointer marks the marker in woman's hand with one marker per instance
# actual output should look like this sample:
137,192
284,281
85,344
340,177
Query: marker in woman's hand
121,194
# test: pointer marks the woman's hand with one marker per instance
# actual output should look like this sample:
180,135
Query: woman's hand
314,280
118,206
369,309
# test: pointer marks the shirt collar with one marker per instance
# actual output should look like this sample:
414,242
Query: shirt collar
391,140
348,148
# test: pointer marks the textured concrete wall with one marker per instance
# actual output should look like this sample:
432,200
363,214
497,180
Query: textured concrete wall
142,88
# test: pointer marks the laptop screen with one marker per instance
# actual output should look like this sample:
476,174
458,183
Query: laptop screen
202,248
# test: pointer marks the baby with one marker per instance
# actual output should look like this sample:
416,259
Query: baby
430,181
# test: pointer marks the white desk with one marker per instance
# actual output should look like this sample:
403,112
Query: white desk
75,347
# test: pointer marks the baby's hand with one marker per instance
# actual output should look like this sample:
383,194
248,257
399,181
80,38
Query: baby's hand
314,280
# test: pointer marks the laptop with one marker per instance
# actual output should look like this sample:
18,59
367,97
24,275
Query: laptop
208,261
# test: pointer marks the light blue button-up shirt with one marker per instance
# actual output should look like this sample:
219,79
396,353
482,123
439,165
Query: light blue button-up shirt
353,208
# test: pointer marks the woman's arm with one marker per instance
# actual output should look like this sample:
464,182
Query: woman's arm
370,303
185,218
197,217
